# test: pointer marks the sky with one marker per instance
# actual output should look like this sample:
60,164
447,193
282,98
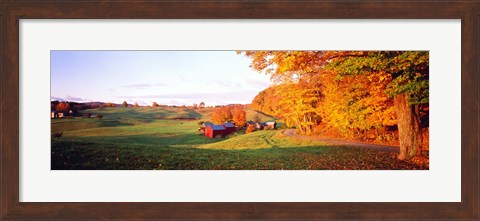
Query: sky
165,77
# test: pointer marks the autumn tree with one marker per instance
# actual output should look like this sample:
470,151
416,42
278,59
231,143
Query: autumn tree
408,86
222,114
201,105
135,104
356,104
53,105
267,101
154,104
362,90
239,116
63,107
296,96
124,104
109,104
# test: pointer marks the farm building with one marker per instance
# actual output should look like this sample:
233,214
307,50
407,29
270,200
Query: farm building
61,114
54,114
229,127
206,124
215,130
269,125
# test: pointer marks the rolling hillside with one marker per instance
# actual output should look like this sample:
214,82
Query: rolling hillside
166,138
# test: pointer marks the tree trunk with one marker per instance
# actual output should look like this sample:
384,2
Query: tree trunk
409,131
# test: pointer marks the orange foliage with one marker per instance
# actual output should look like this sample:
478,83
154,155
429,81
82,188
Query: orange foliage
221,115
354,104
63,107
307,95
239,116
250,129
109,105
350,91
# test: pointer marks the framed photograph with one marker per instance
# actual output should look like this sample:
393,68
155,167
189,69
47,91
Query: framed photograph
239,110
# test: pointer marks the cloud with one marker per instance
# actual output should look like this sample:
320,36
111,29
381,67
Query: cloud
70,98
231,97
199,95
56,99
143,86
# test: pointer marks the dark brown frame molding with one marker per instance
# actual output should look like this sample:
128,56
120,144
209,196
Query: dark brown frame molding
13,10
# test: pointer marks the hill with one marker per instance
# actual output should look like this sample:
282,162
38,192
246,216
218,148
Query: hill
166,138
260,140
147,114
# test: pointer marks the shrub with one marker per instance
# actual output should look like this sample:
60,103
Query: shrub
250,129
109,105
99,116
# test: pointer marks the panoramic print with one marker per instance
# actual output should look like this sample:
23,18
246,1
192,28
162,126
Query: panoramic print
239,110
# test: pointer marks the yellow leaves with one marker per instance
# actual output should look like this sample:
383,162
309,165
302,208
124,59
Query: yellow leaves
357,102
345,89
222,114
239,116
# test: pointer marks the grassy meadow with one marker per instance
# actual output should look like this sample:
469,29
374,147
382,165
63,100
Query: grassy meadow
166,138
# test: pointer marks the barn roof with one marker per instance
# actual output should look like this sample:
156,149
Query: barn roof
206,124
228,124
216,127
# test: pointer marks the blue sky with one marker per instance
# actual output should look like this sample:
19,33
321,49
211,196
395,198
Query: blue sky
166,77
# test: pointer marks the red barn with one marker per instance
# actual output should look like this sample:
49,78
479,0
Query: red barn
229,127
214,130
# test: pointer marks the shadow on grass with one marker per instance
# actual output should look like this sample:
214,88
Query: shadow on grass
74,154
152,140
193,114
113,123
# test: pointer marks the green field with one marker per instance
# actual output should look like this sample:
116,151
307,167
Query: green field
166,138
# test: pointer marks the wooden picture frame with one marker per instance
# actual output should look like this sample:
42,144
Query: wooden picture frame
12,11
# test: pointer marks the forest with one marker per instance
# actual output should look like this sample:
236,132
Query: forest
377,95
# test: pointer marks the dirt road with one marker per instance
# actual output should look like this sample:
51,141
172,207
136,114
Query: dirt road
291,132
